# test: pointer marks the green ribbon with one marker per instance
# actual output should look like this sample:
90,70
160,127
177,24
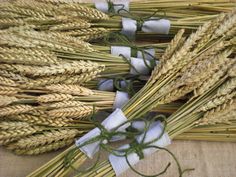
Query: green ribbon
135,147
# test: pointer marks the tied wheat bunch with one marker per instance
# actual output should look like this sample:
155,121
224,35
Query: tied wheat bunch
184,71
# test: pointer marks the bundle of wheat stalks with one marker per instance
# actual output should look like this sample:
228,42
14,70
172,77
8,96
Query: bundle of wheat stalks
86,23
201,66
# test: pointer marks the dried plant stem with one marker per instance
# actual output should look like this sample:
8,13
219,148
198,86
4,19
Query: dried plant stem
15,109
69,89
42,149
43,139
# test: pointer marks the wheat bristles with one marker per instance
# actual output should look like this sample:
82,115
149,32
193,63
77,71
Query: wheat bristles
54,97
226,25
70,89
217,115
172,47
204,69
232,71
180,58
176,94
227,87
209,82
15,109
214,25
217,101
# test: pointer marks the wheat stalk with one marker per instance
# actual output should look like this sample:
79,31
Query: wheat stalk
196,72
15,109
42,120
66,104
4,90
45,138
68,68
16,133
79,24
13,125
46,9
80,111
84,77
226,25
87,34
7,82
180,58
214,25
7,141
173,46
217,101
7,100
217,115
23,11
82,11
70,41
28,59
42,149
209,82
228,87
13,76
54,97
69,89
232,71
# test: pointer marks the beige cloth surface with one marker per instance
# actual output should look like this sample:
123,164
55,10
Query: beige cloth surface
210,159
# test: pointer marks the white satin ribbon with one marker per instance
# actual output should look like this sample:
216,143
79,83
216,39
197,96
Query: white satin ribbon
120,165
108,84
147,55
139,66
110,123
153,25
121,50
121,99
118,4
160,26
126,52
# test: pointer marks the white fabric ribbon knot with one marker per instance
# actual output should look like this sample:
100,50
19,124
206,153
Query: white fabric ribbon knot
114,120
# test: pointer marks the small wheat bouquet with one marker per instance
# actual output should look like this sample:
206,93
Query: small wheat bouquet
86,22
192,66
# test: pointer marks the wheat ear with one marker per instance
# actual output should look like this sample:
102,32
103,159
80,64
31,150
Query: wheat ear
45,138
70,89
72,112
15,109
42,149
7,100
4,90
